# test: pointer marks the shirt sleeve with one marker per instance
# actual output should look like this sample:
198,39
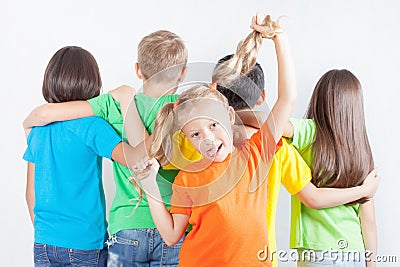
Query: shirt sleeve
181,202
295,172
101,105
265,143
102,138
303,133
29,154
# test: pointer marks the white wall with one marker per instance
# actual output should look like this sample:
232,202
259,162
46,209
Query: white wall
362,36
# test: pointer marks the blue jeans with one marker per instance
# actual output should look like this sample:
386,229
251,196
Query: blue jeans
141,247
320,258
52,256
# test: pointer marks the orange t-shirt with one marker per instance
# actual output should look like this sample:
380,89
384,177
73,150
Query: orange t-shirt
226,204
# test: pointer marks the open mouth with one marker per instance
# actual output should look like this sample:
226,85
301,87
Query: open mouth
212,152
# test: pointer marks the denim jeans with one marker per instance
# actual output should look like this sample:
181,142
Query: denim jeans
319,258
141,247
52,256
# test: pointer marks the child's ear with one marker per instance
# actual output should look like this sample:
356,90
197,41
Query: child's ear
182,75
232,114
138,71
261,99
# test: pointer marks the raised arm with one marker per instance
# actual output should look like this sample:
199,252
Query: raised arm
52,112
318,198
368,228
171,226
287,91
30,192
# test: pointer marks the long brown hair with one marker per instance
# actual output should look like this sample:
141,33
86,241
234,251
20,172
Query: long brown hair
342,154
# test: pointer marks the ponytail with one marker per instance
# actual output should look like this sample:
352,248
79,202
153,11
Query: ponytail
162,148
245,56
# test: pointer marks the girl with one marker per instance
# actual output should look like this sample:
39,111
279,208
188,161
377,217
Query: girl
333,141
64,191
223,196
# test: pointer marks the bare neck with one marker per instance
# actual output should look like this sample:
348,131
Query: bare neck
153,89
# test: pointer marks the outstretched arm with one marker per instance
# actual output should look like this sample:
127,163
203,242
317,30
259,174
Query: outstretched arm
287,91
52,112
171,226
318,198
30,192
368,228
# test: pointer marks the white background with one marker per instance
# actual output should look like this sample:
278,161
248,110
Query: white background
360,35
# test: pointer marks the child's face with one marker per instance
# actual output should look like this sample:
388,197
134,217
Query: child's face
211,135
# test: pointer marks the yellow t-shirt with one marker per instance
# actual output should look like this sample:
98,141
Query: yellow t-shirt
288,168
184,153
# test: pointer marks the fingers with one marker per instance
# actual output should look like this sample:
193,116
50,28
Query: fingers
142,164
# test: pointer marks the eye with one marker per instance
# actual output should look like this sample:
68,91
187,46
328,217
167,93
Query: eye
194,135
214,125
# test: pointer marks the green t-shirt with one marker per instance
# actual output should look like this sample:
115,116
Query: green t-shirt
126,197
336,228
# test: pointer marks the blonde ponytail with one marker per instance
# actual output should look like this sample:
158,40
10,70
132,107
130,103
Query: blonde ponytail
162,147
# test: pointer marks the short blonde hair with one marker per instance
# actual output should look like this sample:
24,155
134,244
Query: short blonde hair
162,53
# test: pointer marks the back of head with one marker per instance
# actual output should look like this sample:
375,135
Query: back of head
244,91
72,74
341,143
161,56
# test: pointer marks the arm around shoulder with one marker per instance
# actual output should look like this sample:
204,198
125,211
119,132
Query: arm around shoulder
53,112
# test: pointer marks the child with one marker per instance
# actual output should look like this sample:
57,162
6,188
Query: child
162,58
215,194
333,141
287,166
64,191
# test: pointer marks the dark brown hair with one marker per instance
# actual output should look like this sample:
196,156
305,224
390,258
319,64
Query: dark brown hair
343,156
72,74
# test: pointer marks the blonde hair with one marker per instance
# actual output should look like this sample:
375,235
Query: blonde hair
168,122
245,56
162,53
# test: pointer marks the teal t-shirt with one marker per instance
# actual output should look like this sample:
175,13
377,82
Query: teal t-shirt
126,197
70,209
336,228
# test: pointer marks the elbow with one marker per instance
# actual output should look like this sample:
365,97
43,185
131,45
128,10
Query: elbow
43,116
312,203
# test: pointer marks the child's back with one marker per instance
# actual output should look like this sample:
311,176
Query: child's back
70,205
64,189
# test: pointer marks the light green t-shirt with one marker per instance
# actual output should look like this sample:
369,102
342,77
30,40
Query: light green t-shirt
126,197
336,228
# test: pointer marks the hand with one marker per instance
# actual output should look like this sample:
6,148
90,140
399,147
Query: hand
146,170
371,183
142,164
267,28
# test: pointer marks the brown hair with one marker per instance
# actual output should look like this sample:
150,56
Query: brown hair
162,53
72,74
245,56
343,156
